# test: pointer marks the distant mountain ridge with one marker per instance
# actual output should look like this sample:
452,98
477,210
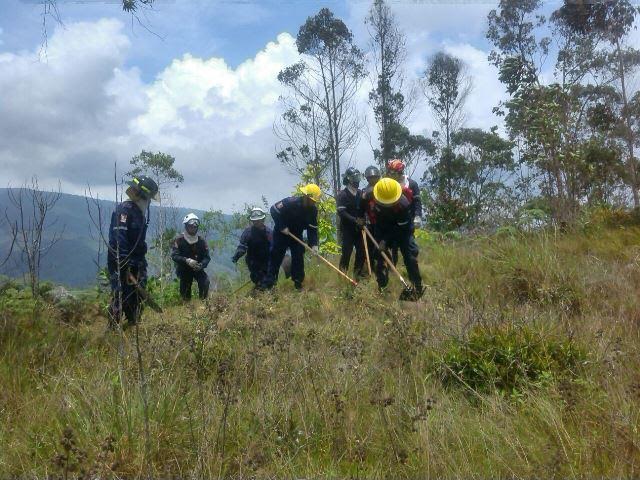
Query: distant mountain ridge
76,259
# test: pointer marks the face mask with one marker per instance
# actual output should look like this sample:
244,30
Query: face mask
143,204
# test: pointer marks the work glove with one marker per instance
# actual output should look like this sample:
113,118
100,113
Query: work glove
315,249
360,222
383,245
198,267
417,222
285,231
192,263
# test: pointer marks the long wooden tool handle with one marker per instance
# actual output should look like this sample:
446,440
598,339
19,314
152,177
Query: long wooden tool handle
241,287
386,258
322,258
366,250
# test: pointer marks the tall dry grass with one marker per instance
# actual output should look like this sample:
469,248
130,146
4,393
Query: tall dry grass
334,382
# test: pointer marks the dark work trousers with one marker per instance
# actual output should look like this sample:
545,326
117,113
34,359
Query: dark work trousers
257,272
278,249
352,238
400,241
186,280
125,299
414,249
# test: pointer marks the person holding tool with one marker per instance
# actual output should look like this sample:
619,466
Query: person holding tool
350,210
393,229
292,216
126,258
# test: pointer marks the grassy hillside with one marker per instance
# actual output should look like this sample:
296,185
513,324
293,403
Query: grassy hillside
520,361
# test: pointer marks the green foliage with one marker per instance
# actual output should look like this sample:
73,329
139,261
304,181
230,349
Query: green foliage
132,6
16,299
606,216
575,129
445,215
530,219
225,229
158,166
508,360
348,382
167,296
327,232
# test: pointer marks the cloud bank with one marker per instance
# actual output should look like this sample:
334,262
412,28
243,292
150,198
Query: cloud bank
77,112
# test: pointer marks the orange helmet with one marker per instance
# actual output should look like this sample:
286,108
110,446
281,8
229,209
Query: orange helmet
395,166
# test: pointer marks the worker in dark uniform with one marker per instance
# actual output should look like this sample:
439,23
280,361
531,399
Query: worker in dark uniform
190,253
393,230
255,242
372,175
293,215
126,258
411,190
350,210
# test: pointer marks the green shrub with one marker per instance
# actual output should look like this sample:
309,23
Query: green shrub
508,360
595,218
8,284
167,295
45,287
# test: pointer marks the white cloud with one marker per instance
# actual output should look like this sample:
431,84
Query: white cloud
220,120
60,117
487,90
75,114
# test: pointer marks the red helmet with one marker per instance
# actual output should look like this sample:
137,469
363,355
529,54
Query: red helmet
396,166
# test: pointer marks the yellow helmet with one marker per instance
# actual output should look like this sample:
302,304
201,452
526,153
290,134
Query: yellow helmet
312,191
387,191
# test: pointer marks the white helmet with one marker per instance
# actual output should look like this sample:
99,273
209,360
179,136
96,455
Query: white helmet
257,214
191,219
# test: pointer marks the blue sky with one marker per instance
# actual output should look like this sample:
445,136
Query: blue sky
205,91
235,30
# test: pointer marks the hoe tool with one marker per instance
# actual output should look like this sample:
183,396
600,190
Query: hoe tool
342,274
408,293
144,295
241,287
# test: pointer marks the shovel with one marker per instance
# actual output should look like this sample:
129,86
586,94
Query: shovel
353,282
408,293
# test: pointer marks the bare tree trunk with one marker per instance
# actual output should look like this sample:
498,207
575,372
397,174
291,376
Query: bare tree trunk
33,209
633,174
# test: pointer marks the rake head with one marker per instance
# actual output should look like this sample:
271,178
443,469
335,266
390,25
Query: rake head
411,294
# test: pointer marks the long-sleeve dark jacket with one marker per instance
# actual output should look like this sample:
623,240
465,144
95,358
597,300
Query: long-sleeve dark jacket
393,220
127,235
291,213
349,207
256,244
181,250
412,192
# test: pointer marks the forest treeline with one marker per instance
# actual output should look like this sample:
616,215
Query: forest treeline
571,118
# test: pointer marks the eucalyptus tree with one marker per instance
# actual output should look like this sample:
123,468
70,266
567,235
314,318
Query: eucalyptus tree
326,80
